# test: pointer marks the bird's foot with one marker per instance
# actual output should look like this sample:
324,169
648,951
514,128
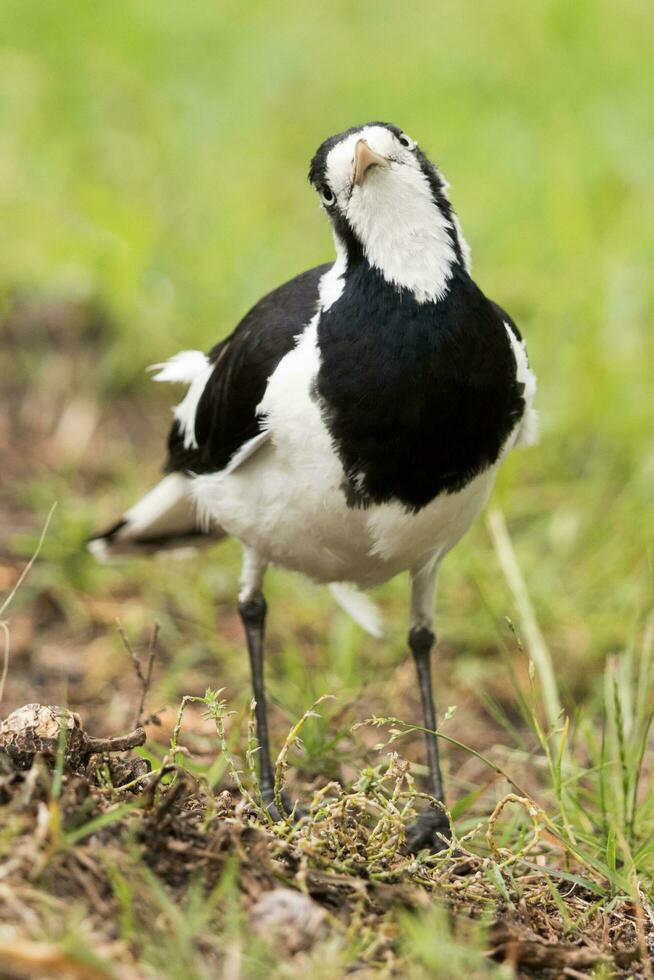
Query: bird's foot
431,831
268,795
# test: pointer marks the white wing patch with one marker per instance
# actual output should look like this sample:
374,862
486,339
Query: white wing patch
247,450
528,431
183,367
190,367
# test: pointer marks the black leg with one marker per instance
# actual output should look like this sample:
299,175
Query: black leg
421,642
253,617
432,822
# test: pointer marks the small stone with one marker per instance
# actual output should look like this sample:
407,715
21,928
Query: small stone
36,728
290,918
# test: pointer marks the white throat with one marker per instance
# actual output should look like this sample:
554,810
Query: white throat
332,283
404,233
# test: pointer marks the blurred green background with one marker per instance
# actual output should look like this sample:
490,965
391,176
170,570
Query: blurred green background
153,161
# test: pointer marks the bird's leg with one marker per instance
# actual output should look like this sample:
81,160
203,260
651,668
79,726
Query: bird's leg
432,824
421,643
253,616
252,609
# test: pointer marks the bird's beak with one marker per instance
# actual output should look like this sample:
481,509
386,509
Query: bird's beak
364,159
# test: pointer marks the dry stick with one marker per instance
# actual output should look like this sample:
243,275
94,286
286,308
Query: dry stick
536,644
144,679
5,657
533,811
147,679
641,903
117,743
5,605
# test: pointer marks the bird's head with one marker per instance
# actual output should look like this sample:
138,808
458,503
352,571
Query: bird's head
389,206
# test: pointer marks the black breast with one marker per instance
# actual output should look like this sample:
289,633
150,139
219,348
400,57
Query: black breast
418,398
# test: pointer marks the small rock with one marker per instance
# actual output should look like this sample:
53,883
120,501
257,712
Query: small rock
289,917
42,728
36,728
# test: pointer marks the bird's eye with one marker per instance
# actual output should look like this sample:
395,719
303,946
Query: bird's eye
327,195
407,141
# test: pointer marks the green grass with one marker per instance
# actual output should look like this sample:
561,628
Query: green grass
152,171
570,849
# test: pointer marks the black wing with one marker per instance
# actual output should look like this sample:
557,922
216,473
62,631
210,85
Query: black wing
226,414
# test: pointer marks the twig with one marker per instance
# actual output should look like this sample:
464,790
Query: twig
5,657
25,571
117,743
170,797
5,605
533,812
640,904
144,679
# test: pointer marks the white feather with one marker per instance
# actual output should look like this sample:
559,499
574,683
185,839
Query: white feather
332,283
99,550
164,510
167,511
194,368
360,607
248,449
465,248
527,434
183,367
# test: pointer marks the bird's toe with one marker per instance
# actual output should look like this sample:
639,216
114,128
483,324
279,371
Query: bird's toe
289,808
431,831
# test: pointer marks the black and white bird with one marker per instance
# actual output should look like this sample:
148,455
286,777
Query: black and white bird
352,425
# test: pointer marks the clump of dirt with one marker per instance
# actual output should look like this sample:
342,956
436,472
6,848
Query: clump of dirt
82,818
47,729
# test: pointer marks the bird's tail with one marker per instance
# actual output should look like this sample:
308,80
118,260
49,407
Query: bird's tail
164,519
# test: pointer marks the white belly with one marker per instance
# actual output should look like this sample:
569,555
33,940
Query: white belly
286,500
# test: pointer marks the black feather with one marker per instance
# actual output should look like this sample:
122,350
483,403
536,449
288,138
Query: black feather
226,414
419,397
